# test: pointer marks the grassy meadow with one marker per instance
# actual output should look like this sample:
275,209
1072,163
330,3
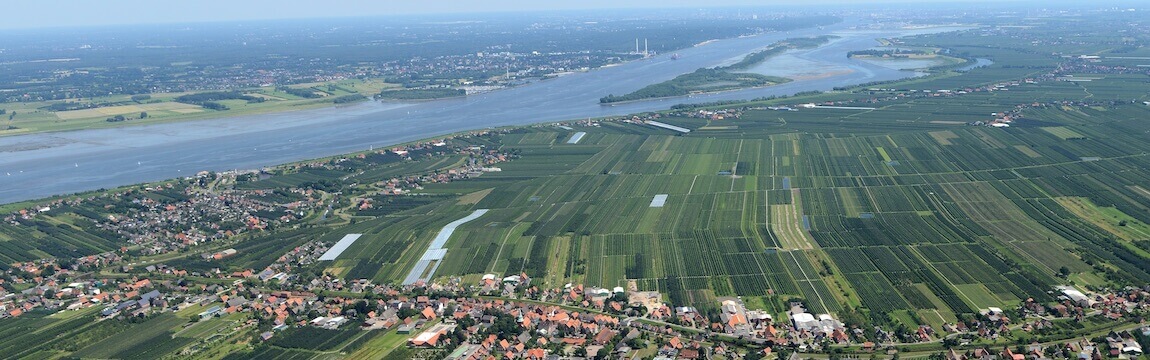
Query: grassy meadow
34,117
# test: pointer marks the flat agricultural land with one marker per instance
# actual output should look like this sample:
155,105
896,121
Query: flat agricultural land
910,213
1063,132
33,117
789,225
885,209
128,109
883,205
1111,219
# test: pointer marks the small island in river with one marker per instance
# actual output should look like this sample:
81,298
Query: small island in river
721,78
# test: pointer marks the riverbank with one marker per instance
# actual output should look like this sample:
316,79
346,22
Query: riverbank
118,111
702,81
715,92
31,118
912,62
162,108
43,165
722,78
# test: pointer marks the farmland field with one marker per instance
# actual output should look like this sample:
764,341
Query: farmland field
1110,219
887,209
906,203
910,222
144,341
915,209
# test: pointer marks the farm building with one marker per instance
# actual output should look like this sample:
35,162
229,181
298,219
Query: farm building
596,292
431,336
823,323
804,321
759,316
210,312
329,323
1074,295
668,126
407,328
576,137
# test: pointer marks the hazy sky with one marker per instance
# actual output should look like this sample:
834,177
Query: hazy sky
54,13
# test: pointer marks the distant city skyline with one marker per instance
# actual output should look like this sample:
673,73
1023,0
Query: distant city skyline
67,13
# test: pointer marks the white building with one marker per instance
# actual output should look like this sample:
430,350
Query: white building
805,321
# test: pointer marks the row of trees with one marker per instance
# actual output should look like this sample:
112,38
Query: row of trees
348,99
206,97
421,94
303,93
118,118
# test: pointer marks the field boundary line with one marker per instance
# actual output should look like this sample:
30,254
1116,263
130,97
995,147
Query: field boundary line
924,260
491,268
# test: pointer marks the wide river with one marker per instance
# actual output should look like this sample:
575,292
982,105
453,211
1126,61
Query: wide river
40,165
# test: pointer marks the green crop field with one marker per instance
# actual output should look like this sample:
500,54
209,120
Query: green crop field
917,209
149,339
900,202
956,209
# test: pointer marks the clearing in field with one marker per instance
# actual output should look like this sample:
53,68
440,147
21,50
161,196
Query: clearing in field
152,333
186,111
1010,225
1140,190
1087,279
98,112
557,268
368,86
1063,132
851,205
340,271
126,109
380,346
1026,150
986,139
882,152
1111,219
787,223
936,318
168,106
943,137
266,96
474,198
980,295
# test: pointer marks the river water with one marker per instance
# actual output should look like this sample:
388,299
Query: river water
40,165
